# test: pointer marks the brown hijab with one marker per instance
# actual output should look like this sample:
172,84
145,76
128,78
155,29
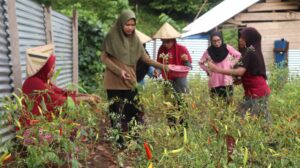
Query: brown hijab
127,49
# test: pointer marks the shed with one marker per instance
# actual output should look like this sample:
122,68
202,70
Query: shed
274,19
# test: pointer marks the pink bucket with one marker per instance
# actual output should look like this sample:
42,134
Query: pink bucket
178,71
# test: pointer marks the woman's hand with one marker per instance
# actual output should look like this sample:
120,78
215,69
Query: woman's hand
184,57
125,75
96,98
212,67
156,73
92,99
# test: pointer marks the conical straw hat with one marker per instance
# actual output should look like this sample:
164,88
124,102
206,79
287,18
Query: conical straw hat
143,37
37,57
166,32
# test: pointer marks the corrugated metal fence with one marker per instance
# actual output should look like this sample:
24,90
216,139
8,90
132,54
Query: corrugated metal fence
294,63
62,37
196,48
25,24
6,81
31,28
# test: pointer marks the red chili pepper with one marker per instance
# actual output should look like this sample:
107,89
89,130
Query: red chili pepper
60,131
216,129
193,106
230,142
148,151
34,122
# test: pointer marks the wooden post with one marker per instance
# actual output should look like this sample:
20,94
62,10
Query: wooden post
14,44
75,47
48,24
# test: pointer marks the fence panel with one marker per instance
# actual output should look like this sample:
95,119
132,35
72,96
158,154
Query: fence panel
31,26
294,63
63,40
6,86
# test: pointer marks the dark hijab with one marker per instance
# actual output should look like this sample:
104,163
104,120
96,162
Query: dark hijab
217,54
253,58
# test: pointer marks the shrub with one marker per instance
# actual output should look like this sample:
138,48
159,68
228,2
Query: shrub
210,123
63,142
90,67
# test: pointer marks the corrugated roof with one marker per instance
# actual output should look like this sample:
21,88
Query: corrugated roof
216,16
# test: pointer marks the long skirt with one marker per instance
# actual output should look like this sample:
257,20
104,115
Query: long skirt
255,107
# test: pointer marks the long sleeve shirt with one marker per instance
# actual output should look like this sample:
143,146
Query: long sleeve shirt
217,79
113,78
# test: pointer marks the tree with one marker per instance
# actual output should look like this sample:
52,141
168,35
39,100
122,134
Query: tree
177,9
93,10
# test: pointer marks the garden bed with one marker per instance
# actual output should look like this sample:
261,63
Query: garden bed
215,136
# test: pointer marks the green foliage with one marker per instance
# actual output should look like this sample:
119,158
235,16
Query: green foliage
178,7
91,10
149,23
182,10
165,18
90,68
151,16
257,143
44,2
60,143
201,144
278,77
230,36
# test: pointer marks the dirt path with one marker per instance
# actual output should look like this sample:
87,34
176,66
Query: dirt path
101,155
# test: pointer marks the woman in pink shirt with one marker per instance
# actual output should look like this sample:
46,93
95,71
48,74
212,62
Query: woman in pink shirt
223,56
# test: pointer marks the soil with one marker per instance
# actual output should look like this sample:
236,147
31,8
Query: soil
101,155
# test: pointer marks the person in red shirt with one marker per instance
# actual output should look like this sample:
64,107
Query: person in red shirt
177,55
42,96
252,70
172,53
